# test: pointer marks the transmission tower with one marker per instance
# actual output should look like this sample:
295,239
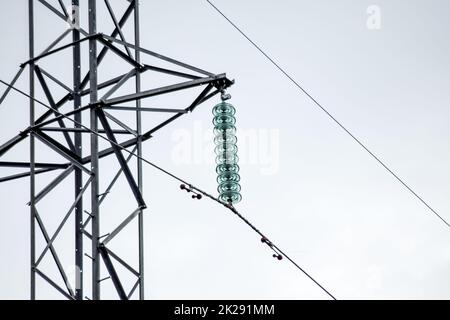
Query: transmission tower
58,123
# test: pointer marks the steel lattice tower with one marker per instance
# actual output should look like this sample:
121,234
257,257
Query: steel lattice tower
84,165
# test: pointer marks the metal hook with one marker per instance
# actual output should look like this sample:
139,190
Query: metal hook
224,95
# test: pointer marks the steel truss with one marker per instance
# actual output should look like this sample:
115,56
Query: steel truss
85,169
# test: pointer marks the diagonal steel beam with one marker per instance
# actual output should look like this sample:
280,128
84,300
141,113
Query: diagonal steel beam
113,17
121,226
110,186
208,96
25,174
53,9
119,84
55,80
67,152
61,116
63,222
61,150
113,181
36,165
52,184
53,252
159,56
108,83
133,289
108,151
123,164
59,14
167,89
122,262
48,113
55,42
120,108
53,105
45,54
87,234
119,53
120,123
63,8
171,72
200,99
8,89
81,130
5,147
112,272
53,284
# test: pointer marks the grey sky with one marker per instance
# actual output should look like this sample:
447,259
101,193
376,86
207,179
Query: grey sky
329,205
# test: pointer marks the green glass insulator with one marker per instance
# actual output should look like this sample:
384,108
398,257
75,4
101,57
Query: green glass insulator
227,158
221,168
224,108
228,176
226,151
227,138
226,148
224,121
225,131
228,186
233,197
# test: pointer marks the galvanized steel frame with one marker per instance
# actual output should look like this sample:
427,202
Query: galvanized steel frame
76,164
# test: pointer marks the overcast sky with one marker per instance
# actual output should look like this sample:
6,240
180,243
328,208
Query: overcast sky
381,68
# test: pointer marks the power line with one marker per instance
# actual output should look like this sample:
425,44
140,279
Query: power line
278,252
357,140
264,239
